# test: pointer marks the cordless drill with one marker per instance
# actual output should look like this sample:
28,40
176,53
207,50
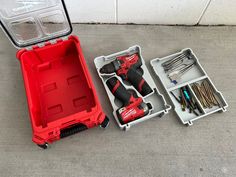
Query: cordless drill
133,107
126,67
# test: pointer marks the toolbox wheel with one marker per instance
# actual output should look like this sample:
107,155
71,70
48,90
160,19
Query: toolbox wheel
105,123
43,146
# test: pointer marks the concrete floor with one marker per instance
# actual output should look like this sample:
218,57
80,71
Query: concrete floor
158,147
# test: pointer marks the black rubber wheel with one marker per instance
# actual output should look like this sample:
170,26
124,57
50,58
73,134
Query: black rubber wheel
105,123
43,146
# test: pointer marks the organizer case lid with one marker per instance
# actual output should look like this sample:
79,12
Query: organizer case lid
29,22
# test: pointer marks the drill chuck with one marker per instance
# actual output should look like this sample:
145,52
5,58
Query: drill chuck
110,67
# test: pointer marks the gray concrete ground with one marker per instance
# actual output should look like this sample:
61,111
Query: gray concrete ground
158,147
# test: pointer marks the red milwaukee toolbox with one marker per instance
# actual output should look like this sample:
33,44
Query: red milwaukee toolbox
61,96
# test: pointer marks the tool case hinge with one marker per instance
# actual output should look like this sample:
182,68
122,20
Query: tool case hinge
50,42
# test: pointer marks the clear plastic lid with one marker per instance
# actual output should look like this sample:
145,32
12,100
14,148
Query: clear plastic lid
29,22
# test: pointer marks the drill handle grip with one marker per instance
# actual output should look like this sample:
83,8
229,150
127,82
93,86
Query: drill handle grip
118,90
137,80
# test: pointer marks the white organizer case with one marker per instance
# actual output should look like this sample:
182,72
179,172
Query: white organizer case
157,101
194,75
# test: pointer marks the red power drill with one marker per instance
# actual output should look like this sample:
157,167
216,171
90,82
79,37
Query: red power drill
133,106
126,67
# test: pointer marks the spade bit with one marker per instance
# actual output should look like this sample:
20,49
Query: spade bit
185,63
176,75
176,61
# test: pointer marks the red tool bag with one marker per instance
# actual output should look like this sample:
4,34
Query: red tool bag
61,96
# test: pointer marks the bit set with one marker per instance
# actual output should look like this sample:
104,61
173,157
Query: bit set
187,101
203,91
178,66
191,90
206,94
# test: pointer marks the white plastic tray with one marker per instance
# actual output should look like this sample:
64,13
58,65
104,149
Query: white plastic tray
196,74
159,105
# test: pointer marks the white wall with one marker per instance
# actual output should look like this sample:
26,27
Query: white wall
189,12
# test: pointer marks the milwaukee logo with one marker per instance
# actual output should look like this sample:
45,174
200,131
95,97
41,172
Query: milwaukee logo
131,57
129,113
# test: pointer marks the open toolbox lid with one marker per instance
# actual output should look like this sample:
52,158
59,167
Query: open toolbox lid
29,22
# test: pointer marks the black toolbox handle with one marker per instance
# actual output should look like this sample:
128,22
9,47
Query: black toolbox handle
72,130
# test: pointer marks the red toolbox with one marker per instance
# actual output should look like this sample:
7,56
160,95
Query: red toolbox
61,97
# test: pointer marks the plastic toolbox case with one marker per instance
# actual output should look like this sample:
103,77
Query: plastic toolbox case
61,97
194,75
156,103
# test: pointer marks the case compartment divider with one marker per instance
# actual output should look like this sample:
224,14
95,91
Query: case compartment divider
196,99
186,83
